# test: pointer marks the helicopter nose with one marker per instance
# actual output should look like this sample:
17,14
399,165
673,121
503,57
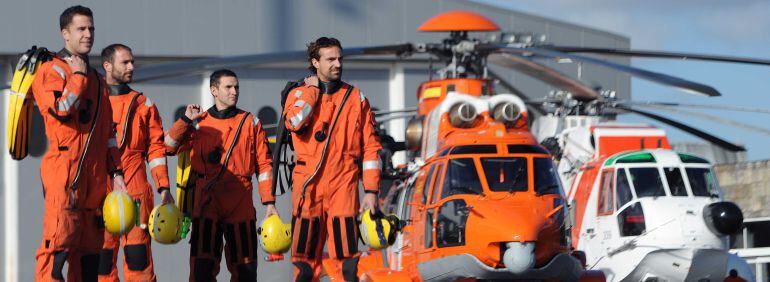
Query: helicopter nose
723,218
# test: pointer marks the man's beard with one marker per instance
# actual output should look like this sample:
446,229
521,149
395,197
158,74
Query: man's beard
122,78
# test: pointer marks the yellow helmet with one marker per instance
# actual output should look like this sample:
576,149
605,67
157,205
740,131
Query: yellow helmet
378,231
119,213
274,235
166,224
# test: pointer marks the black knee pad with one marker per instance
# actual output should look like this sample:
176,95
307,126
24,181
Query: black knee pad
204,270
136,257
59,258
105,262
89,265
305,272
247,271
350,270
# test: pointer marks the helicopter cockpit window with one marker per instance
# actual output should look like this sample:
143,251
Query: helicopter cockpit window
622,189
506,174
436,188
702,182
474,149
461,178
450,224
407,209
647,182
675,181
546,177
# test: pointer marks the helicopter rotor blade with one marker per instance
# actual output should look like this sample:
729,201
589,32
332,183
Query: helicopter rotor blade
166,70
545,74
710,117
700,106
694,131
515,91
664,79
659,54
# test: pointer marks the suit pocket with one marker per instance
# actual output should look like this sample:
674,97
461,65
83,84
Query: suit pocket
67,234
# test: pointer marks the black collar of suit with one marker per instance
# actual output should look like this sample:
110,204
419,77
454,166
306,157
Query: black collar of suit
64,53
330,87
120,89
223,114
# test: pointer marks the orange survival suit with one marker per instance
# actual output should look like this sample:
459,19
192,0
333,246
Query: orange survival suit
74,183
330,202
223,204
140,139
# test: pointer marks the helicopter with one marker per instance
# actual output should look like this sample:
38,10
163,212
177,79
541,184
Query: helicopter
459,117
641,210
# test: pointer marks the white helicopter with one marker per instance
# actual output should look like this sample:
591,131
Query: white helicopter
641,211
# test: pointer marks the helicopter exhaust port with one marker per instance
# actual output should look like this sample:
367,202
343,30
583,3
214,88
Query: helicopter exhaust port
506,113
519,257
462,115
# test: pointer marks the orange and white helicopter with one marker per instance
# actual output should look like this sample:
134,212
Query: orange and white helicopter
641,211
481,200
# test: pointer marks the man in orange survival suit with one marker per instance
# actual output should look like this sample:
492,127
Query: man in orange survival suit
82,154
223,204
330,200
140,138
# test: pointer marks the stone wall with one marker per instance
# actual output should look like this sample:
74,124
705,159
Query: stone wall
748,185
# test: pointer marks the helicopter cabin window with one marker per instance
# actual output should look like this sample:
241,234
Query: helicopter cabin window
647,182
429,229
675,181
436,182
605,194
546,177
506,174
407,207
450,224
631,221
702,182
527,149
461,178
428,184
622,189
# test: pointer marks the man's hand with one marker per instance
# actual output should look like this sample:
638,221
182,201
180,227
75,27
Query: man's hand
311,81
193,111
166,197
76,63
118,184
270,210
369,202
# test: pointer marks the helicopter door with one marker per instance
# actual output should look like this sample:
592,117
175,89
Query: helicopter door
605,208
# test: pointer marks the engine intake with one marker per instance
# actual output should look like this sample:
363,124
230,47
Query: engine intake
462,115
506,113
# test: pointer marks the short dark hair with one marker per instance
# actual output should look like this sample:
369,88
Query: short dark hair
214,78
108,53
65,18
313,47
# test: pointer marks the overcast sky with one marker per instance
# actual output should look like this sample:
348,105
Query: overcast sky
736,28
